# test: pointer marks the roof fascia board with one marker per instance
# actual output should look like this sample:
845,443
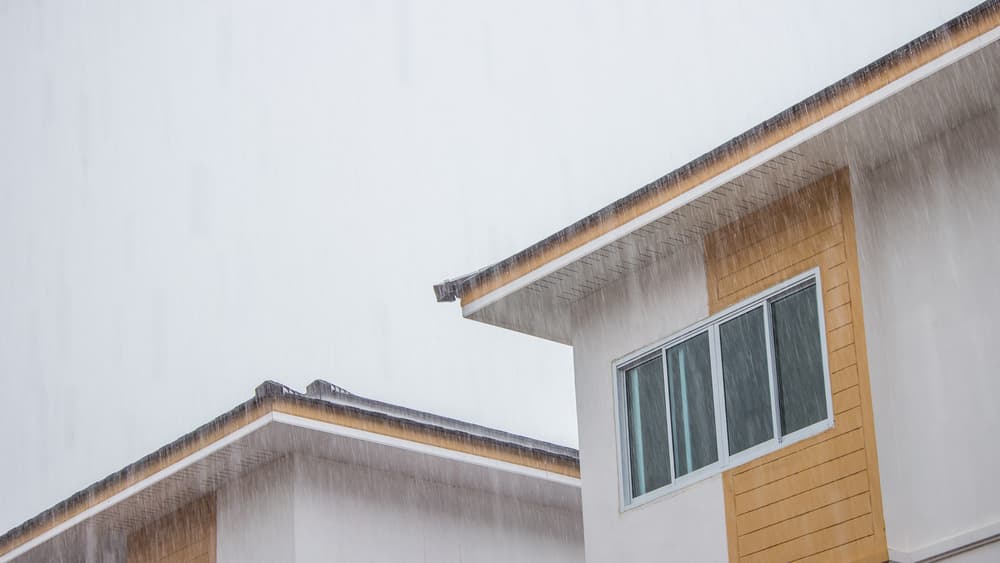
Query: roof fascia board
450,424
436,451
136,488
790,142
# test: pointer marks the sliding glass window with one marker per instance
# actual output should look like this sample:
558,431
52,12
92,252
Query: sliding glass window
733,387
746,380
647,426
692,412
799,359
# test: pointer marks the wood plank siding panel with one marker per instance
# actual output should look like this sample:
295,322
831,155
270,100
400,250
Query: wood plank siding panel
819,499
184,536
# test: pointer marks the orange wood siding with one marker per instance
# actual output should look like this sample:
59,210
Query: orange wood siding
819,499
184,536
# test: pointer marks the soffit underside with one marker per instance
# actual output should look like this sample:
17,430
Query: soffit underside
553,296
953,95
685,226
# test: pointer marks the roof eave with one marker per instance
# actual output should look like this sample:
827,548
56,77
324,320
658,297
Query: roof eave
880,73
272,397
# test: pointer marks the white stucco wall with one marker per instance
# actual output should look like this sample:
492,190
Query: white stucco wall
689,525
352,513
989,553
929,247
255,516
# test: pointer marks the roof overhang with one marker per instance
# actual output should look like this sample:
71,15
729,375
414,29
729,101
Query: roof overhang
278,424
933,83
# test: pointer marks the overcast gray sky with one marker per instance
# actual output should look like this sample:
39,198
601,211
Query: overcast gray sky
196,196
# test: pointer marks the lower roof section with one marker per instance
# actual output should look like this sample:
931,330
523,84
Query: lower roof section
333,425
934,97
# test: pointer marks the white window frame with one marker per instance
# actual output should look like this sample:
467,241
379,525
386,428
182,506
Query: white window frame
711,325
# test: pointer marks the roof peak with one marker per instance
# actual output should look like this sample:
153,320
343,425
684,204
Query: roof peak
321,387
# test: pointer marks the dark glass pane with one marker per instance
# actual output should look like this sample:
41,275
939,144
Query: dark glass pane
692,408
799,359
647,426
745,378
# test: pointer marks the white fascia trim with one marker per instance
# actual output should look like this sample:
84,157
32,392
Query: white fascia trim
462,457
948,547
138,487
734,172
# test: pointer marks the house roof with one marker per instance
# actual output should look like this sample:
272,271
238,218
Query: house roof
909,57
323,402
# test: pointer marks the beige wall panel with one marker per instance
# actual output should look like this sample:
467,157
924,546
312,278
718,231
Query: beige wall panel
184,536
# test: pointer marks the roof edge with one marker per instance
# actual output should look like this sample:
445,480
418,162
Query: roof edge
928,46
272,397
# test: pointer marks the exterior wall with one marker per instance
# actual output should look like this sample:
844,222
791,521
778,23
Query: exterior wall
352,513
184,536
930,261
255,516
817,499
989,553
304,509
644,307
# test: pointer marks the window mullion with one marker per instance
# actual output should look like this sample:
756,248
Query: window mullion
772,372
721,428
670,434
626,440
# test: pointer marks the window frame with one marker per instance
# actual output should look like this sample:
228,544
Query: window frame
711,326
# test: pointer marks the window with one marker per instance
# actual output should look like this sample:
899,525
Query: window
647,427
692,414
746,380
726,390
